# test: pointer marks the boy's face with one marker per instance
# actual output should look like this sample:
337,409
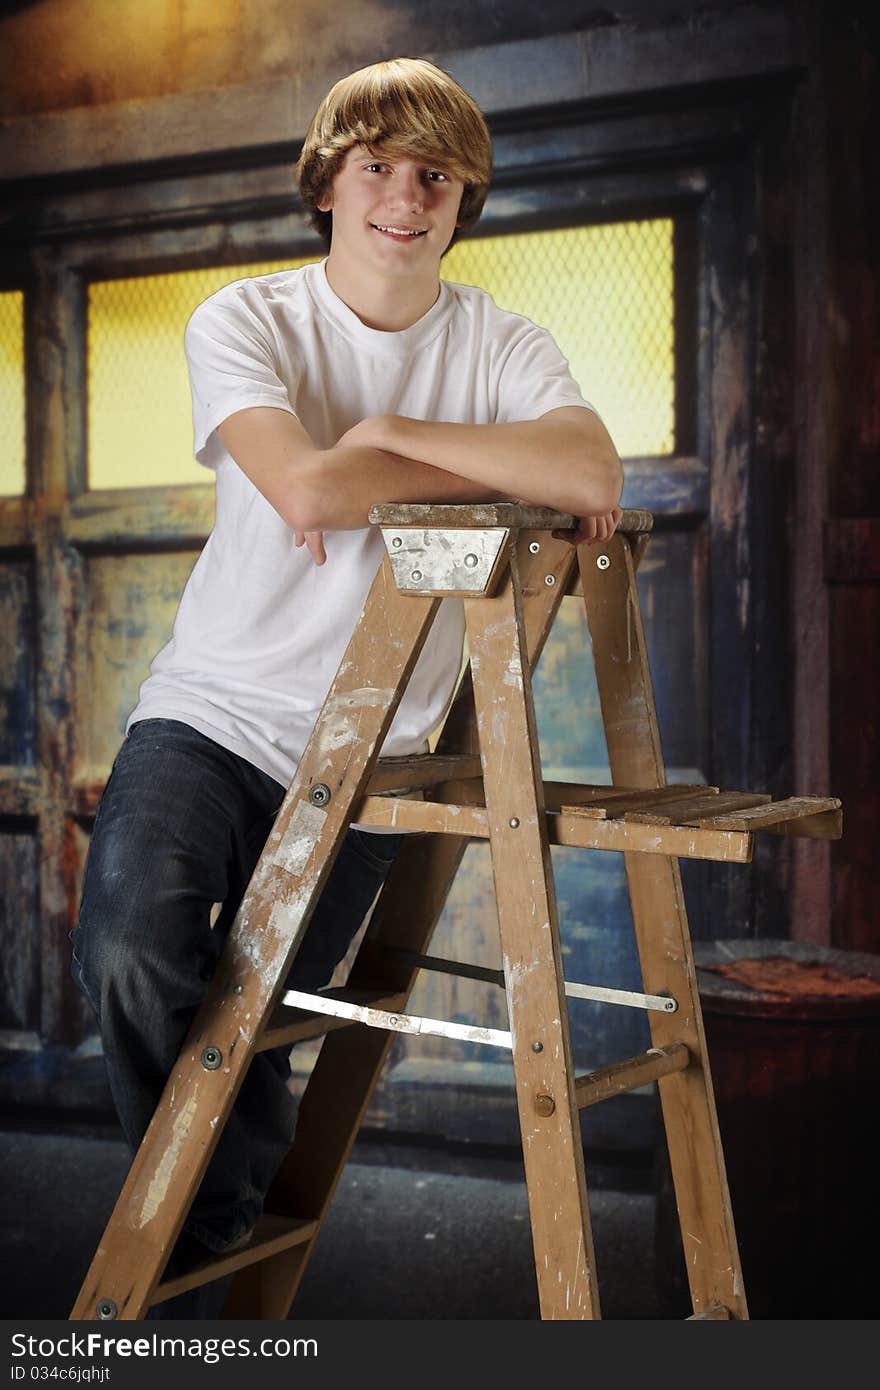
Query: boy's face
392,212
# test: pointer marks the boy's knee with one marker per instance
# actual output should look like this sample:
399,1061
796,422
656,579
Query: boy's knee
101,959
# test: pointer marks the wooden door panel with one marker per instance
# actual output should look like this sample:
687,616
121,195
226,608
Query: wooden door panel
130,605
19,934
17,664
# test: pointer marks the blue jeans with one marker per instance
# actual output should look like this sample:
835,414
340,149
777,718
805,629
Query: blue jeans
180,827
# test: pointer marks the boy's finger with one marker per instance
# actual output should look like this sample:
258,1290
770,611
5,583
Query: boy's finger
316,546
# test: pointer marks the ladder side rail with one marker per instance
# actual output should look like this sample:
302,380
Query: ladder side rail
531,955
661,928
270,923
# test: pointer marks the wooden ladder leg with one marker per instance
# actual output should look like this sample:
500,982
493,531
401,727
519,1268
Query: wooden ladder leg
263,940
523,874
350,1062
661,928
347,1070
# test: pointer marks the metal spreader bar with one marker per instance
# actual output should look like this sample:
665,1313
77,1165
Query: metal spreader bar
664,1002
630,998
397,1023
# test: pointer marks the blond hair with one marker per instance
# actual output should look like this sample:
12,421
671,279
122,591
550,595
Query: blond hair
412,109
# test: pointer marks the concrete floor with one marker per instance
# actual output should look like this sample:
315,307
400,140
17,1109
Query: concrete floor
414,1233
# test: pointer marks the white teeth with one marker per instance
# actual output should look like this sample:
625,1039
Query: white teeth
398,231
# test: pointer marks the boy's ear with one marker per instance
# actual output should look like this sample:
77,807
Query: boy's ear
325,203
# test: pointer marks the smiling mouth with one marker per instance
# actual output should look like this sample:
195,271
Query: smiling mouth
401,233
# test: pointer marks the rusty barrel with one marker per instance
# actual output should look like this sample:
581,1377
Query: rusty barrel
793,1033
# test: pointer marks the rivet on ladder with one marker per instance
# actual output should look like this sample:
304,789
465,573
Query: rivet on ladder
396,542
211,1058
238,989
534,547
106,1309
319,794
550,580
603,562
545,1105
537,1047
416,575
470,561
514,822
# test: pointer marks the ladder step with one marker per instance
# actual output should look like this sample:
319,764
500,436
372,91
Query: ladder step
785,817
716,1312
610,803
309,1022
442,515
694,808
422,770
271,1235
619,1077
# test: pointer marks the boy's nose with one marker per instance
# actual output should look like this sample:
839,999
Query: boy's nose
408,192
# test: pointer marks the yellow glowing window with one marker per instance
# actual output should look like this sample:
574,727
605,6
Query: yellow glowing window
605,293
12,475
139,412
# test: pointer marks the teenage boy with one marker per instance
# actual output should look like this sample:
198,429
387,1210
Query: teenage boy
316,392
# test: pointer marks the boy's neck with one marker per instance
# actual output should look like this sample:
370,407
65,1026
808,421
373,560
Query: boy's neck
389,305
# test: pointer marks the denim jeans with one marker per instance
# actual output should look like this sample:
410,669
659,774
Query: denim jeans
180,827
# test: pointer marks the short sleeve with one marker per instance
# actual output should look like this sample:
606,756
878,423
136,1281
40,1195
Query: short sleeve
233,364
534,377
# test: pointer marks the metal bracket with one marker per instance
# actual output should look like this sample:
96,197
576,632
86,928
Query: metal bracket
447,561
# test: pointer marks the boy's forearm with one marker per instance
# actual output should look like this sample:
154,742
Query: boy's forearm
345,481
565,462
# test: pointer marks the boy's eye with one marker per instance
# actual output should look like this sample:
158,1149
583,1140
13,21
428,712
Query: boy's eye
375,168
436,175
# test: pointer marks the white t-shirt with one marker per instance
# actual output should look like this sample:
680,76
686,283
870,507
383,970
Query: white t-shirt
261,629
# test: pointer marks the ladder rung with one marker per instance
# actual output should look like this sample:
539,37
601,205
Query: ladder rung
397,1023
422,770
271,1235
716,1312
619,1077
312,1024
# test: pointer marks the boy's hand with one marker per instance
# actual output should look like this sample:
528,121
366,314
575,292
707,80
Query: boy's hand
591,529
315,542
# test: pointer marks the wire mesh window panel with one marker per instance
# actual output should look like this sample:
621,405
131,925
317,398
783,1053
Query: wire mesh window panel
139,412
12,427
606,295
604,292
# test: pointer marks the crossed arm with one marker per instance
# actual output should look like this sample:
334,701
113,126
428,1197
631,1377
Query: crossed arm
564,460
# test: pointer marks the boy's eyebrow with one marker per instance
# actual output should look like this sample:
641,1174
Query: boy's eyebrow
371,152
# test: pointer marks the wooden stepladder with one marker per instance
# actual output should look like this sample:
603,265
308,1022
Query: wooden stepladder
484,781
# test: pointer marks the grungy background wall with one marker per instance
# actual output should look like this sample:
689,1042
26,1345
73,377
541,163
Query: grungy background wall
145,137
